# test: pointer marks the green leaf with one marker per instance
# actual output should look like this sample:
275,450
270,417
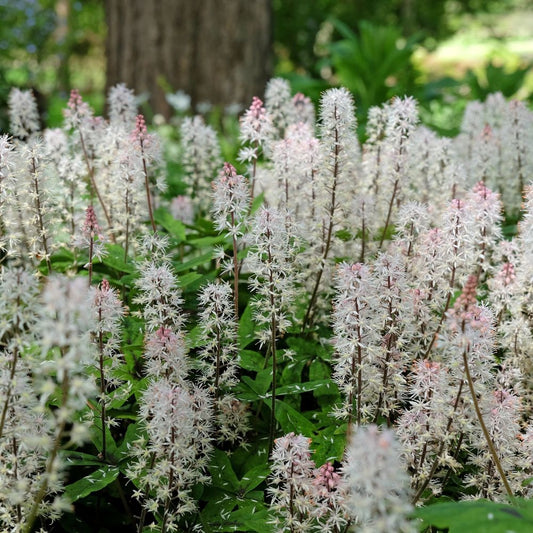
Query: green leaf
207,242
246,328
319,370
260,384
325,386
306,349
291,420
478,516
196,261
115,259
189,279
330,444
175,227
194,337
91,483
222,472
217,509
97,440
257,202
119,396
62,260
254,477
250,360
344,235
292,372
73,458
253,516
132,434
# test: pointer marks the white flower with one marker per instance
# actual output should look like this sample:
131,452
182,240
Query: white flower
179,100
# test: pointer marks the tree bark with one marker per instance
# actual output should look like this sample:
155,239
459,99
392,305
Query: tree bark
217,51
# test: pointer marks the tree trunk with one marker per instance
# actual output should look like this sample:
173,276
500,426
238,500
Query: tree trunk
217,51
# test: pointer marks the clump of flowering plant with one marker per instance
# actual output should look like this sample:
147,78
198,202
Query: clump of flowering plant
328,339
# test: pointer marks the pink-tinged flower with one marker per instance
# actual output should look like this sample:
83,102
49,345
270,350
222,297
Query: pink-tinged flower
78,112
304,111
107,313
91,237
256,125
427,374
91,229
166,355
140,133
330,500
506,274
326,479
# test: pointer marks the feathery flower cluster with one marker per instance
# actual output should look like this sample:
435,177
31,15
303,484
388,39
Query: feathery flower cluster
256,124
369,493
78,112
219,353
231,201
292,484
182,208
200,158
427,429
173,452
91,238
122,106
493,145
377,481
166,355
30,212
305,498
304,111
336,181
352,337
159,296
273,277
63,334
22,456
107,313
23,113
174,456
219,359
369,322
279,105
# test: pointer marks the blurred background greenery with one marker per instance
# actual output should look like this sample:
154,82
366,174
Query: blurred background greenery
444,52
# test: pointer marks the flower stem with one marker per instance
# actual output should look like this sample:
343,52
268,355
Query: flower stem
490,444
34,511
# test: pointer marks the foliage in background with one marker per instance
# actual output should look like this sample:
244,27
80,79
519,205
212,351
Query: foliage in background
53,45
297,24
